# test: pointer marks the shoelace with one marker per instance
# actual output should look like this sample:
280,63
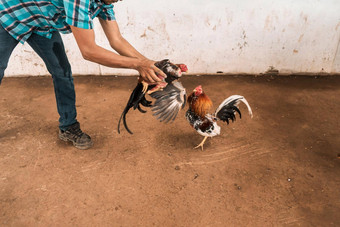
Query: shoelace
77,131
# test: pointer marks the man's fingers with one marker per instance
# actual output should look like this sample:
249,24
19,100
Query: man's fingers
148,78
151,73
154,76
151,80
159,72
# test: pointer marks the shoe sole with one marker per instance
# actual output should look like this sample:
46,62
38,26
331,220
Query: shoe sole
79,146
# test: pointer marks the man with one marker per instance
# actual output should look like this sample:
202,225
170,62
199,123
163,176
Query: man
38,22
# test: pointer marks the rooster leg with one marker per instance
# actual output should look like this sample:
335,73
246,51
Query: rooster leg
201,144
145,87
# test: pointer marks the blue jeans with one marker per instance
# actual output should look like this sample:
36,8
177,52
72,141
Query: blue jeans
53,54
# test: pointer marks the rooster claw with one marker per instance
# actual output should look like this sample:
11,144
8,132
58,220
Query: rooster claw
201,144
145,87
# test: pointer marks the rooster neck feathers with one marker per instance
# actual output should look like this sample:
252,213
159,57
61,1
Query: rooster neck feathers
200,104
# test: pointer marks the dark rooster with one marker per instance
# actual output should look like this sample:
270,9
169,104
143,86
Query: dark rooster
169,95
206,124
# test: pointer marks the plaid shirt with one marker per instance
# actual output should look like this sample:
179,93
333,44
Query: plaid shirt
22,17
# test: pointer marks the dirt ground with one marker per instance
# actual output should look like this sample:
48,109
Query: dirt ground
280,168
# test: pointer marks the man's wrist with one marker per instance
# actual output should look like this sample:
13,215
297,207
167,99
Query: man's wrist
135,63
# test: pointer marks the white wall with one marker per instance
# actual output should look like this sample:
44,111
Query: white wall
244,36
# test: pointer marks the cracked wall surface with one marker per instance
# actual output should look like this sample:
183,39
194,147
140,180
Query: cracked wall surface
336,61
216,36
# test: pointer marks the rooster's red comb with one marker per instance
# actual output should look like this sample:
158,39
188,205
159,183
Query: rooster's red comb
183,67
199,87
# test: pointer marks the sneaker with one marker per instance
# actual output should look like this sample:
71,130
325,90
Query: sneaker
74,134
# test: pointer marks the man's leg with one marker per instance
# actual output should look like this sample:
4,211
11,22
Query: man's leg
7,44
53,54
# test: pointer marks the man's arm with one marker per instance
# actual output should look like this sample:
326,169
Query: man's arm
117,41
91,51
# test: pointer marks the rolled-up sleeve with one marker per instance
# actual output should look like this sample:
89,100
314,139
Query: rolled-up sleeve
78,13
107,13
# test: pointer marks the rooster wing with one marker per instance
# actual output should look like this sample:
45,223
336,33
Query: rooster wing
169,101
228,108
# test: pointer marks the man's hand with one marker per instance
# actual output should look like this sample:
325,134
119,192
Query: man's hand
149,72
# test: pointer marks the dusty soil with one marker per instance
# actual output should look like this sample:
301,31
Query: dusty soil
280,168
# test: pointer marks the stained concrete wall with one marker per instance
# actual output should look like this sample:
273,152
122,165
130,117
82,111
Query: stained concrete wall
246,36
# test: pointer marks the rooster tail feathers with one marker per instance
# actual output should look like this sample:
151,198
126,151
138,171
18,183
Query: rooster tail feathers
123,116
248,106
229,106
145,102
137,97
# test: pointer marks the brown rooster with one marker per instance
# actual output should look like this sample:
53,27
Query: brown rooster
205,123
